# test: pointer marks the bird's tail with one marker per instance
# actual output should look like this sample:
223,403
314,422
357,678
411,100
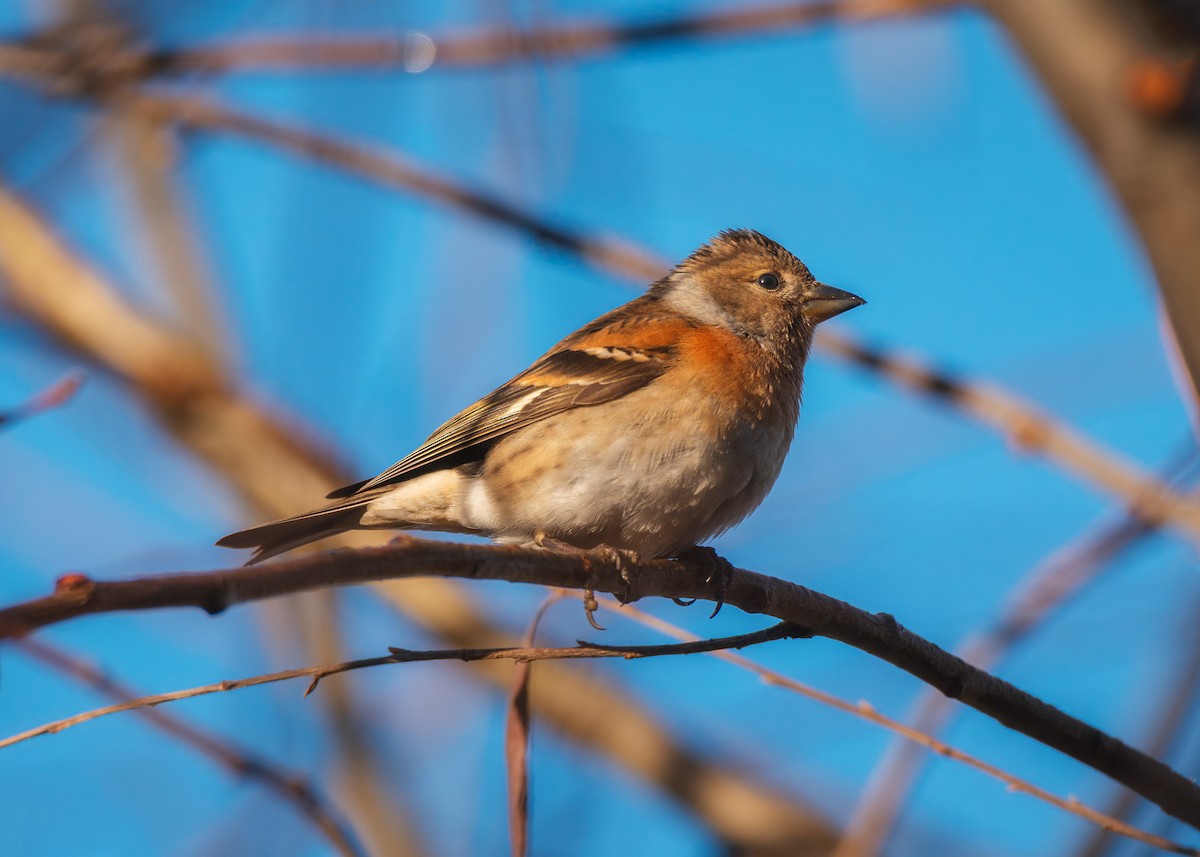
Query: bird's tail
280,536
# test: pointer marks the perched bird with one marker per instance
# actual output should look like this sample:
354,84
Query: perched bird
652,429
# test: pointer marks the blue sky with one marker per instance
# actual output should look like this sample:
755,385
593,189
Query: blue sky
915,163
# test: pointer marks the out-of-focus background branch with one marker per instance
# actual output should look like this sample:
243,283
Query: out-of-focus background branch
1085,53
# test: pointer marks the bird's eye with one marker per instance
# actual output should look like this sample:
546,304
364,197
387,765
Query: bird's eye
770,282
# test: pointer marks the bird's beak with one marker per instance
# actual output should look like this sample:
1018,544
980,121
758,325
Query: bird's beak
824,302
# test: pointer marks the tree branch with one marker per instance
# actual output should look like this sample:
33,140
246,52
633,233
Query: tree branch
292,786
878,634
917,739
720,647
416,52
1040,593
520,654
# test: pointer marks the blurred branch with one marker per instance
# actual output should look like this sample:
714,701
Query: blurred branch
1032,430
517,728
145,153
416,51
54,396
1148,499
390,170
689,645
24,62
277,472
864,710
877,634
1084,51
291,786
378,804
1040,593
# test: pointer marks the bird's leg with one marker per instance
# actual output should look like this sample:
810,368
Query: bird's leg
720,575
622,559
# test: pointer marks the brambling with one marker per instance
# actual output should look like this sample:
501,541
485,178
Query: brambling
650,430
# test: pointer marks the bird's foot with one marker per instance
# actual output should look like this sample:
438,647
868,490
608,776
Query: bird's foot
719,576
624,560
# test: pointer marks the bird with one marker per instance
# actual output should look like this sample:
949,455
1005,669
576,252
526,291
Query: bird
651,430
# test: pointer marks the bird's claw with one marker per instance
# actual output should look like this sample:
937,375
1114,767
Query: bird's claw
719,577
623,560
590,606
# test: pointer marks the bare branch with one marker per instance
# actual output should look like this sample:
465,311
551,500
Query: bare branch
1173,714
25,62
292,786
416,51
520,654
1043,589
518,723
876,634
865,711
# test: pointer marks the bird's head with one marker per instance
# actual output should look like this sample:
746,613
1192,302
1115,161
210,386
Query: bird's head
744,281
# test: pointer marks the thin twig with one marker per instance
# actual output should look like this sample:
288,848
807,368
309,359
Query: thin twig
517,736
316,674
868,712
418,51
292,786
54,396
877,634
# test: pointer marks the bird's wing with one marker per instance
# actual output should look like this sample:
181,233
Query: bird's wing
576,373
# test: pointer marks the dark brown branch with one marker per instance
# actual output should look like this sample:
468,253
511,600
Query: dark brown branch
419,51
868,712
1040,593
1173,713
877,634
240,761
